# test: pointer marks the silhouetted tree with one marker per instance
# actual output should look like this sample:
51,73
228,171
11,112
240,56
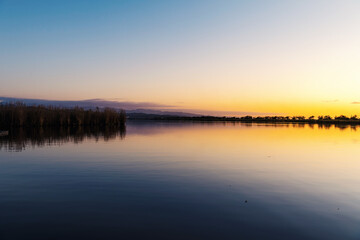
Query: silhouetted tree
341,117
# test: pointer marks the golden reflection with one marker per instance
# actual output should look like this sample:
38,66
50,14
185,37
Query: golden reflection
313,159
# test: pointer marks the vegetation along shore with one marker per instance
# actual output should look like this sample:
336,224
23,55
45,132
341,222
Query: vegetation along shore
20,115
266,119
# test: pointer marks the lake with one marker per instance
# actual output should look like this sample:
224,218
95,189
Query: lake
181,180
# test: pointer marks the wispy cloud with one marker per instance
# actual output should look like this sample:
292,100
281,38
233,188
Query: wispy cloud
331,101
355,103
126,104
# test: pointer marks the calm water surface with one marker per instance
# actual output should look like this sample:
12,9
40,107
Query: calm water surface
158,180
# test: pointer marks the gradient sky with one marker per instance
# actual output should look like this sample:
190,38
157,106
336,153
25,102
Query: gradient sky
286,57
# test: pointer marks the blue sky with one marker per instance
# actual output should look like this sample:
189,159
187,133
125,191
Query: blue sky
215,55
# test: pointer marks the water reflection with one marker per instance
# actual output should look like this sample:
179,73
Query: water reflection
182,180
19,139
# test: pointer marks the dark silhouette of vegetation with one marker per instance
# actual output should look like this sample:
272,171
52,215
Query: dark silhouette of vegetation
21,115
353,120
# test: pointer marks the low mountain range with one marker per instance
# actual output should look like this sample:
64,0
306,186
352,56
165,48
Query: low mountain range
133,109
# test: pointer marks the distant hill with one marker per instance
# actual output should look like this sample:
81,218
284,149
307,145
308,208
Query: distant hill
133,109
143,112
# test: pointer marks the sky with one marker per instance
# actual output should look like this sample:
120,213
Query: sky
276,57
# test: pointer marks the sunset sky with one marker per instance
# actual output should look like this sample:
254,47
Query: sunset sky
276,57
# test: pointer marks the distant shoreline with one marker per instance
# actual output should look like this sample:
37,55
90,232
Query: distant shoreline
21,115
247,120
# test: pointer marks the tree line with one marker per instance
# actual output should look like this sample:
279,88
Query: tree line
301,119
21,115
